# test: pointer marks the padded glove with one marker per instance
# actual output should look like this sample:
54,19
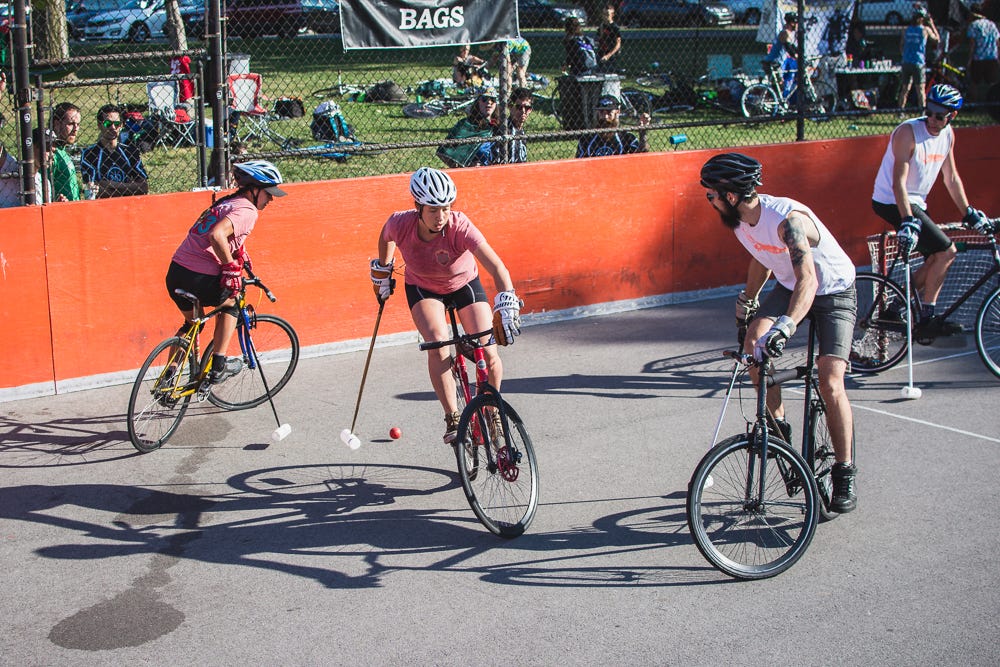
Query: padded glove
907,237
382,281
772,343
745,307
231,276
977,220
243,257
506,317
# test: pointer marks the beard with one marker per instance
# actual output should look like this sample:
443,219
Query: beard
730,216
607,123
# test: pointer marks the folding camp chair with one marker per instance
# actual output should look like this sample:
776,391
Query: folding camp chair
720,66
162,96
250,120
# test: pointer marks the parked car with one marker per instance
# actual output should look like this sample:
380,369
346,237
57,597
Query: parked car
548,13
889,12
666,13
136,21
253,18
193,18
78,12
745,11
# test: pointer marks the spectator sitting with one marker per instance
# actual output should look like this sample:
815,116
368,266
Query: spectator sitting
465,67
609,41
516,147
481,121
10,180
608,140
115,168
43,143
66,124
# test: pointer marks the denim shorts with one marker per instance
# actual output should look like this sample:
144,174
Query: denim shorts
834,314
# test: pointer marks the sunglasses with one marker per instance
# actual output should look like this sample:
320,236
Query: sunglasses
111,123
524,107
711,196
939,116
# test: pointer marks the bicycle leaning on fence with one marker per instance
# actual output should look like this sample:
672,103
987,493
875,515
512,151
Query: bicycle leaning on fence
496,460
880,340
753,501
763,100
175,371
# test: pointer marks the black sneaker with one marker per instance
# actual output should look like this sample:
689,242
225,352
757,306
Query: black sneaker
451,427
844,499
935,327
232,367
785,429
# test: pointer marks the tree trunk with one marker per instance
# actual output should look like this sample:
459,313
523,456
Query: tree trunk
175,26
48,28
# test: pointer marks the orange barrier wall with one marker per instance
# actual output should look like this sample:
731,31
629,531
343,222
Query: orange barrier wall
572,232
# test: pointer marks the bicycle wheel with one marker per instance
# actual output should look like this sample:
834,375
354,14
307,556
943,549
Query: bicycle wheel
155,407
277,353
468,448
825,97
759,101
745,531
431,109
988,332
880,328
504,493
820,456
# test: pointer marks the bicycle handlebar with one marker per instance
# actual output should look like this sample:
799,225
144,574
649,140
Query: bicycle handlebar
773,378
254,280
468,339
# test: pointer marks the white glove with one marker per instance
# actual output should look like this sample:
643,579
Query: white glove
382,280
772,343
977,220
506,317
907,237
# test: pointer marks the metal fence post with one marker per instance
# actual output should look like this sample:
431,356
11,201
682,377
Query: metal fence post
22,90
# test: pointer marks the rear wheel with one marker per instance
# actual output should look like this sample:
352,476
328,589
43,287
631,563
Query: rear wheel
156,406
759,101
879,341
504,493
271,352
988,333
746,531
821,458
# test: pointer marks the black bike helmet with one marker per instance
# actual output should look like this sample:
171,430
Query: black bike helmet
792,17
733,172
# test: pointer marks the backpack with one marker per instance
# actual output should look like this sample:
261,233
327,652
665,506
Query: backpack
328,124
582,58
385,91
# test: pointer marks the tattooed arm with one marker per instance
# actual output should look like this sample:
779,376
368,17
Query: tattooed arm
799,233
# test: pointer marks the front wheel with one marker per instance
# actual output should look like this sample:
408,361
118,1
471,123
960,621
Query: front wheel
741,528
270,346
879,341
988,332
160,395
504,493
760,101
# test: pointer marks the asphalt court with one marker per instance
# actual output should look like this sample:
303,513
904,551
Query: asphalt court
223,547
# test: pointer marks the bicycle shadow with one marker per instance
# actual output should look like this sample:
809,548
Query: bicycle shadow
63,442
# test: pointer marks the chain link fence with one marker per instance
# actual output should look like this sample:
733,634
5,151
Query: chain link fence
705,75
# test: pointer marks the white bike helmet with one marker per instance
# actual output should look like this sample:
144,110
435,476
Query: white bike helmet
261,174
432,187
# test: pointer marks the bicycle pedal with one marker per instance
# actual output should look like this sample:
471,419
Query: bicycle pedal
204,389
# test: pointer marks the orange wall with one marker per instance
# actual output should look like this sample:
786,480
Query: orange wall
84,280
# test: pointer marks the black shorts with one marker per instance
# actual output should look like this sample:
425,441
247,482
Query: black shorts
207,288
473,292
931,240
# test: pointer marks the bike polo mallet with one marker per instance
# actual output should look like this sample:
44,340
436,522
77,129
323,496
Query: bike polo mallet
283,430
347,435
909,392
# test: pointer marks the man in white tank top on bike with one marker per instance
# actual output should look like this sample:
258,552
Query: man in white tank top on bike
815,278
919,149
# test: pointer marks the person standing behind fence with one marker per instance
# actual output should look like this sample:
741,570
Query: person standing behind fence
518,58
983,67
782,59
581,56
115,168
913,44
66,119
609,41
608,140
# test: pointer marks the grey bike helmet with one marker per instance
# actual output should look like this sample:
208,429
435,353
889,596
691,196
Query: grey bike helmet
945,96
734,172
432,187
259,173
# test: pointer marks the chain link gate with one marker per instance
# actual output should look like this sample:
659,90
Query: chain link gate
290,93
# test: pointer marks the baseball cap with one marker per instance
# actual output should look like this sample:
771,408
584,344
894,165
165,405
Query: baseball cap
608,102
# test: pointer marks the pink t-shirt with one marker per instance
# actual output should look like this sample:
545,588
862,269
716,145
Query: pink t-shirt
195,251
445,263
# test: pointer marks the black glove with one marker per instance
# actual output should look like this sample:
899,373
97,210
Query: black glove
977,220
772,343
907,237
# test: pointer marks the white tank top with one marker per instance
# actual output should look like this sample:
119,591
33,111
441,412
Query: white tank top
834,269
929,154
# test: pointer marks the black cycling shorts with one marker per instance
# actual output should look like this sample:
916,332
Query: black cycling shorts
931,239
207,288
473,292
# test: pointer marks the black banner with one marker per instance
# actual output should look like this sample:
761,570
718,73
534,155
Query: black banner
391,24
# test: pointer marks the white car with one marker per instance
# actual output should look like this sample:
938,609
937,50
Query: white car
745,11
135,21
888,12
